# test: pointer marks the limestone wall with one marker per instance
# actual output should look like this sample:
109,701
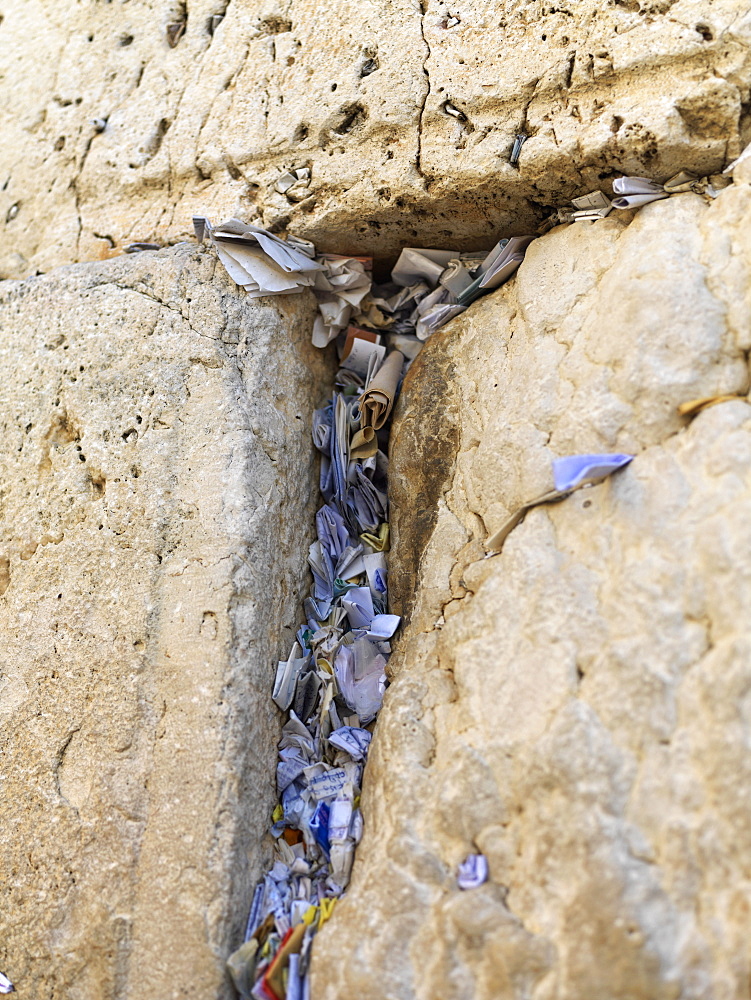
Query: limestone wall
152,545
358,92
576,707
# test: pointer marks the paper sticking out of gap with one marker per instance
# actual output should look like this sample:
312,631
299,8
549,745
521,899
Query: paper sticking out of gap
415,265
569,474
589,207
287,675
175,31
294,184
742,164
573,471
695,406
6,986
496,268
258,261
473,871
633,192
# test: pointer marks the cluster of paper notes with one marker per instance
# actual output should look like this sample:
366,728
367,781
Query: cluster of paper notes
332,682
427,287
635,192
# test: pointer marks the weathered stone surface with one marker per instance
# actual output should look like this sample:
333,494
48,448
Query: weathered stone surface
357,92
577,708
156,471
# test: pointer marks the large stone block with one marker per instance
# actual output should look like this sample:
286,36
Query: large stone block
404,113
156,480
577,707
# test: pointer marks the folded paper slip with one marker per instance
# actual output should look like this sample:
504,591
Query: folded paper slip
694,406
362,348
473,871
363,445
378,542
595,205
421,265
376,402
258,261
573,471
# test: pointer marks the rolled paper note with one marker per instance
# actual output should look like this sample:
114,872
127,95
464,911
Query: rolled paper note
626,201
636,185
694,406
377,400
364,444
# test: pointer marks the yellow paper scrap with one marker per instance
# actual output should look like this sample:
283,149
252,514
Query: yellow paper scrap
327,908
278,812
378,542
694,406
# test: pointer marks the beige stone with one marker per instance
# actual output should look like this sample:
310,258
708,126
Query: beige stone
358,93
577,707
156,470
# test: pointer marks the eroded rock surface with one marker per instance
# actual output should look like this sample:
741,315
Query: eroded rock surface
577,707
404,113
157,483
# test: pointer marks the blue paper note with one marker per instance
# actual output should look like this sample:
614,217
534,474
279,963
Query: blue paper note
574,471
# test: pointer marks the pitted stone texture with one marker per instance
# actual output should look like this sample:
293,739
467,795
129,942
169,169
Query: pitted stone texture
577,707
404,113
156,468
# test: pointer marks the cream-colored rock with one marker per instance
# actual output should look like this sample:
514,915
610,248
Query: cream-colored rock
156,469
405,115
577,707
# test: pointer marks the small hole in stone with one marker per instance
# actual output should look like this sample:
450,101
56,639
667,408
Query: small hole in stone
705,31
587,503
